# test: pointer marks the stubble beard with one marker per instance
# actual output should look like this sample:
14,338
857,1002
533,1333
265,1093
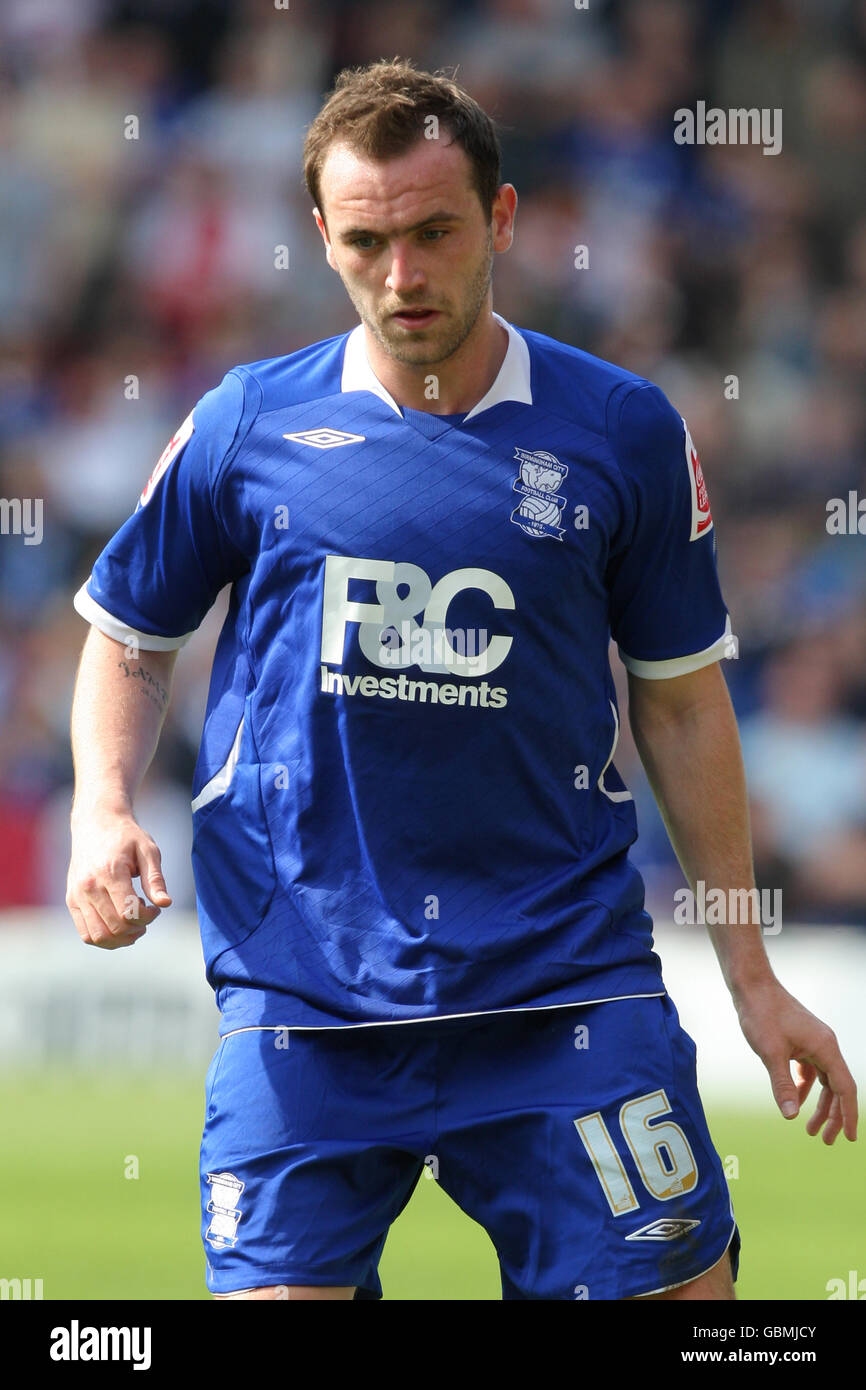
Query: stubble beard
429,354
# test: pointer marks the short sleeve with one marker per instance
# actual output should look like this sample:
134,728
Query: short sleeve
161,572
667,614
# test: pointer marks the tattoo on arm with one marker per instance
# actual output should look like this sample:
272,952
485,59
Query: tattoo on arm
147,684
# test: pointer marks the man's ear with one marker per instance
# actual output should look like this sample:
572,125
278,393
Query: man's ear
503,213
320,223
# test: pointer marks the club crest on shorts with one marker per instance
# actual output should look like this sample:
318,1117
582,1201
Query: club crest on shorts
663,1230
223,1206
540,509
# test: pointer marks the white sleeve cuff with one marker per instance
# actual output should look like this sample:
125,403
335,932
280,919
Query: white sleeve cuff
120,631
726,645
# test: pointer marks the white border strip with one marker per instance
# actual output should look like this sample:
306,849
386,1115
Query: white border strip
681,665
513,380
666,1288
221,780
434,1018
120,631
613,796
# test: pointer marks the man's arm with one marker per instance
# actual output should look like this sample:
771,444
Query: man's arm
117,714
686,733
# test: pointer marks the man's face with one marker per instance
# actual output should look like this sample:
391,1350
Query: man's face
410,241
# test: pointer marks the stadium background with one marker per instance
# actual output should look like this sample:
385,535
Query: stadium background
134,272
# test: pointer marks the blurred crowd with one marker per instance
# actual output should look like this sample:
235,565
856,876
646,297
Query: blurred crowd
150,165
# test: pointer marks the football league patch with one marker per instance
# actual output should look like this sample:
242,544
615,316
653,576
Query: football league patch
702,520
168,455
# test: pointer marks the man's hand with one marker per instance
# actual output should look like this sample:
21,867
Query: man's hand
686,734
780,1030
108,852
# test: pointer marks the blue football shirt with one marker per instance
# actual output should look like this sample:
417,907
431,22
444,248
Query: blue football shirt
405,801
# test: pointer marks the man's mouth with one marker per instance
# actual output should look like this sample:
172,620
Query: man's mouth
415,318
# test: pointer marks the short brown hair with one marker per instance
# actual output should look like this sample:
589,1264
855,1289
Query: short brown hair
380,111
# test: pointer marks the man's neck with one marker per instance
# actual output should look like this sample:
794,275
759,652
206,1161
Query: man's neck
451,387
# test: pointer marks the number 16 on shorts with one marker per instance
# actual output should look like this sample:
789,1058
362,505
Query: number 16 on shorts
660,1150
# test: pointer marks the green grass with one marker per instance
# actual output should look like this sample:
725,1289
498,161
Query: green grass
70,1216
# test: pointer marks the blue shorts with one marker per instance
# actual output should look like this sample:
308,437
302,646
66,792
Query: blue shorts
575,1136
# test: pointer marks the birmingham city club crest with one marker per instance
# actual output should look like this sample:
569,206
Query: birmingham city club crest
540,508
222,1233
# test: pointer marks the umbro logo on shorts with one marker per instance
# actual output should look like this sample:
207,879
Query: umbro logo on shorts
325,438
663,1230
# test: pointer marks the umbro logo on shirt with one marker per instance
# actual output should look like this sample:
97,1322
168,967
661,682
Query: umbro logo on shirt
664,1230
325,438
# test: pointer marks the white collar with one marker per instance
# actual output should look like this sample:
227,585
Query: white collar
512,381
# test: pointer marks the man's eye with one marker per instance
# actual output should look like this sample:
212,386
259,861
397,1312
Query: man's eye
364,243
434,233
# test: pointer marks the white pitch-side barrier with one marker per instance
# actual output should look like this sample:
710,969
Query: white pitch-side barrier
150,1006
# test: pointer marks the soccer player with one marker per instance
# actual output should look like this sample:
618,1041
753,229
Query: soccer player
427,940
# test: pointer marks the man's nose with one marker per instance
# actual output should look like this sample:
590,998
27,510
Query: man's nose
405,273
